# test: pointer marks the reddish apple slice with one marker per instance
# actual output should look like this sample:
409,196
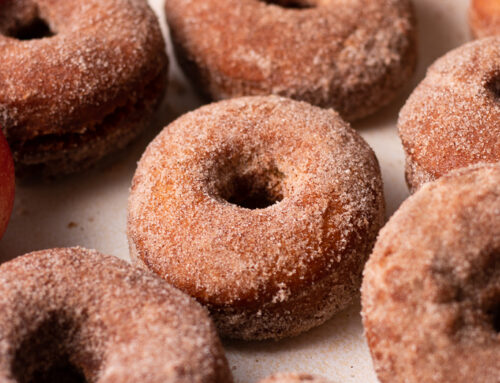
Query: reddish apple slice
7,183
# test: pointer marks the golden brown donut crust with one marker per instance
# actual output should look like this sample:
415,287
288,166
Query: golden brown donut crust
69,99
484,18
431,288
269,272
110,321
350,55
293,378
452,119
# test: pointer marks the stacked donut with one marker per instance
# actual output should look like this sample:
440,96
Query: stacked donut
252,218
79,80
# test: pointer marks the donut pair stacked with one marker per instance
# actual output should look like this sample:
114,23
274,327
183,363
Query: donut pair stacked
78,80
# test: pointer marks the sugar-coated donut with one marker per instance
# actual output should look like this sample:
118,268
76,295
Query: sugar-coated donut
294,378
79,79
452,119
484,18
74,315
353,56
431,289
262,208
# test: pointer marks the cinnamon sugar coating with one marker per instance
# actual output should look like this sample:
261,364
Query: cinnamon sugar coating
431,288
452,119
350,55
484,18
78,80
293,378
262,208
77,313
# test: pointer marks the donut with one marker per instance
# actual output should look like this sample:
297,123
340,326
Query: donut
431,288
353,56
262,208
74,315
484,18
452,119
293,378
79,79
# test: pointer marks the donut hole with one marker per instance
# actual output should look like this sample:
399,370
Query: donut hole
494,86
247,192
47,353
290,4
61,372
491,292
252,188
37,28
494,315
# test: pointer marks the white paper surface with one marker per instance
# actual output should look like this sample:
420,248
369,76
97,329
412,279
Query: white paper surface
90,210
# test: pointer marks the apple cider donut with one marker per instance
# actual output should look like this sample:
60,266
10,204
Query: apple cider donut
484,18
353,56
262,208
74,315
431,289
452,119
79,79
